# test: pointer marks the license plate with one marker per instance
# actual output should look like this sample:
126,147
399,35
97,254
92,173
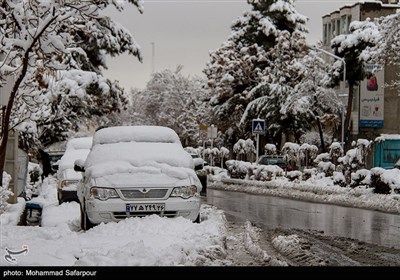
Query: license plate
145,207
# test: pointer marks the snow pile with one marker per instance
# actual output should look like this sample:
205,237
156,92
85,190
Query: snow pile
148,241
250,239
4,192
317,189
297,249
12,214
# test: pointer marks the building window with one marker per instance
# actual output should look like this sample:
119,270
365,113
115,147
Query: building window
325,34
343,21
348,23
329,33
338,27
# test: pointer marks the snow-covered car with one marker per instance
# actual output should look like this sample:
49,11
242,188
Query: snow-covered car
397,164
76,148
275,160
199,164
134,171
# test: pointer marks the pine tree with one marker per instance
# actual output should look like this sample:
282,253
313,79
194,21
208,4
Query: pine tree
255,63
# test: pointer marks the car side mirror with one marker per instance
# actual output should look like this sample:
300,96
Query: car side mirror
79,165
198,167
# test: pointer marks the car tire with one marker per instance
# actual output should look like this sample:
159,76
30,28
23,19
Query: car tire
60,201
197,221
85,222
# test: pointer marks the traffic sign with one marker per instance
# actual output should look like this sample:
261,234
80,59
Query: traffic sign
203,131
258,126
212,132
203,135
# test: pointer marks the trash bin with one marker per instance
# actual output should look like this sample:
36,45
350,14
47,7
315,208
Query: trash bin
33,214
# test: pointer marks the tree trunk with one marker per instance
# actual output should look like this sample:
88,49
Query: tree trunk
321,135
348,111
25,60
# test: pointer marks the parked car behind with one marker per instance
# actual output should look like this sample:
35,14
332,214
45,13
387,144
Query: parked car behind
275,160
76,148
134,171
199,164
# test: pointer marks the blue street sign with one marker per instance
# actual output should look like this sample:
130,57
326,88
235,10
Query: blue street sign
258,126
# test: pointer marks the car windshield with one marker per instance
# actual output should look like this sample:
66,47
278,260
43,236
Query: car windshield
271,161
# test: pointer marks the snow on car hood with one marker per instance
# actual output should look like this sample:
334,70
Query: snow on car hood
144,177
137,163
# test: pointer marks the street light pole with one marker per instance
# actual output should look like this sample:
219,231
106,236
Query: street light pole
153,55
344,85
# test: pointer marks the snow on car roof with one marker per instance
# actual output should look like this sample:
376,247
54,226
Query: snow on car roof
70,156
71,174
79,143
127,157
135,133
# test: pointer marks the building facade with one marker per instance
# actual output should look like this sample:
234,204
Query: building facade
376,109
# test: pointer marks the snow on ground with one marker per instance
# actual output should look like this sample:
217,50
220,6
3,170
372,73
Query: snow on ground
160,241
148,241
321,190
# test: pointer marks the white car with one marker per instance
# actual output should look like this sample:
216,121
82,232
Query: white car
76,148
134,171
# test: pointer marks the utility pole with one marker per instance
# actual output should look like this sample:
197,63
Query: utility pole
153,55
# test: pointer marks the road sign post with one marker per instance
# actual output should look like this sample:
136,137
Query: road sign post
203,134
258,127
212,134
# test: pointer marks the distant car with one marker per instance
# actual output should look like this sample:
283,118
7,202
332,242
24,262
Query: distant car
55,157
135,171
201,173
275,160
76,148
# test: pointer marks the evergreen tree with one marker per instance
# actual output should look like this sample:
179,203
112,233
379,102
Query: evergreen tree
256,63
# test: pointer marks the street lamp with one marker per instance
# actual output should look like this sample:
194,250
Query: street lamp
344,85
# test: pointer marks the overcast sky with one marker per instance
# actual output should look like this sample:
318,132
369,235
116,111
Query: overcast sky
184,31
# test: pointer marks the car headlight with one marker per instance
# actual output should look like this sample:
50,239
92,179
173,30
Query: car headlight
103,193
68,183
184,192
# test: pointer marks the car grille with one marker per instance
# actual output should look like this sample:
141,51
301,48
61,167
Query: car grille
150,194
124,215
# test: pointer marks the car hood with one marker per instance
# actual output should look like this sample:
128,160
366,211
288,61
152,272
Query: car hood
123,175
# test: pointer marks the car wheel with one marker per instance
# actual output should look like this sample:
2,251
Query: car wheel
85,222
197,221
60,201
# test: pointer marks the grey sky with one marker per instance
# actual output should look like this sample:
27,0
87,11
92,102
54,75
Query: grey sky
184,31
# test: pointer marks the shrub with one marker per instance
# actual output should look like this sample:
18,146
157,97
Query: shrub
360,178
308,173
294,175
267,172
238,169
339,179
385,181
